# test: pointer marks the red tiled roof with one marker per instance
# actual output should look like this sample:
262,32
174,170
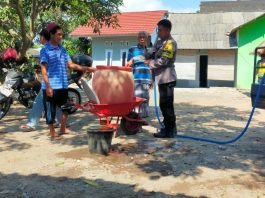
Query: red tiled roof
130,24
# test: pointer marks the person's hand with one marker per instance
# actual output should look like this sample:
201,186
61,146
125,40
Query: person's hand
49,91
261,51
90,69
147,62
129,63
151,85
37,77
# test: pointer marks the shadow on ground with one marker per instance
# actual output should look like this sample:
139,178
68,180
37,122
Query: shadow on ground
15,185
181,157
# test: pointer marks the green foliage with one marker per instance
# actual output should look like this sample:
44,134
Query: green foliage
9,31
77,45
70,45
21,20
28,66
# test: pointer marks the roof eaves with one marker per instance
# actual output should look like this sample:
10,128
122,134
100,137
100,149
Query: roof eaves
105,35
207,48
238,27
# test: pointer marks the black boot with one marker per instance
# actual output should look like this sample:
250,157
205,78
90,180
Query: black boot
171,133
161,134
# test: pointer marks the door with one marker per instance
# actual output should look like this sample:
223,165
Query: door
108,57
124,54
204,71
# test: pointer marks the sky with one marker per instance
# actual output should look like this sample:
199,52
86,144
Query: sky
170,5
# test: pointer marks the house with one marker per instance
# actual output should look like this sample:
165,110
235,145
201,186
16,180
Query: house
110,47
207,48
249,36
206,55
232,6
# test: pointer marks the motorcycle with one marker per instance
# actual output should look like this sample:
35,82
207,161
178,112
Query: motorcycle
24,89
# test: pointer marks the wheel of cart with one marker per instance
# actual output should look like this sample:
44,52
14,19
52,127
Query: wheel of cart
131,127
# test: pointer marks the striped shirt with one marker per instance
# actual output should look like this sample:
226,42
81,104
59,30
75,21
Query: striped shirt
56,58
141,71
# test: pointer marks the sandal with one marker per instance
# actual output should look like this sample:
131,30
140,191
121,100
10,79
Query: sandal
26,128
58,125
65,133
56,138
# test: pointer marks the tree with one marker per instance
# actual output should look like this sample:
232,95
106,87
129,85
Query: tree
21,20
8,25
78,46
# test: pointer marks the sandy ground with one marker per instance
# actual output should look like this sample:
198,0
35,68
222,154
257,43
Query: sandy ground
141,166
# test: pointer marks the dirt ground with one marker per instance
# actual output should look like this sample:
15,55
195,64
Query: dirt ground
141,166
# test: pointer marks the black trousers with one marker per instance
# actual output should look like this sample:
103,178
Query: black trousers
166,104
58,99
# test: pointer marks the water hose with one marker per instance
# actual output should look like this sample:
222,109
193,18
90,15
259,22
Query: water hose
212,140
162,126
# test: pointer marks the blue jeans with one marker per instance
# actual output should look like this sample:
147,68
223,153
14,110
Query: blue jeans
37,110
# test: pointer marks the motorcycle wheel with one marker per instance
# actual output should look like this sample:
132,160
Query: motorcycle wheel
73,97
4,107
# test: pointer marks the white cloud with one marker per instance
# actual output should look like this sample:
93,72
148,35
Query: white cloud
186,10
149,5
141,5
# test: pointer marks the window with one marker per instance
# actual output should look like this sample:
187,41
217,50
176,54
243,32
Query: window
124,55
110,43
121,43
127,43
108,55
233,39
106,43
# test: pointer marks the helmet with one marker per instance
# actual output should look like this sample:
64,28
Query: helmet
9,54
83,60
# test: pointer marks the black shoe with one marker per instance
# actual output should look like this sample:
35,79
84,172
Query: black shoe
161,134
166,133
172,132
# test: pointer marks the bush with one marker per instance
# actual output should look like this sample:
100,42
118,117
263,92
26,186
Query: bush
77,46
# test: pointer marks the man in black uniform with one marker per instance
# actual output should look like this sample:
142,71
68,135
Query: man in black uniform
163,68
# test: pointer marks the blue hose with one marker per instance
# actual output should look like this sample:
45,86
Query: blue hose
211,140
162,126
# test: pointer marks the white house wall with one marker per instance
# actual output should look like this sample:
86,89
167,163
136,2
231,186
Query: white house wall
99,48
221,66
186,70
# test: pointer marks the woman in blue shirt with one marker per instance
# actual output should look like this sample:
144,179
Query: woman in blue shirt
141,72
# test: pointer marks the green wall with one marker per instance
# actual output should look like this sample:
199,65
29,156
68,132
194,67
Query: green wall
250,36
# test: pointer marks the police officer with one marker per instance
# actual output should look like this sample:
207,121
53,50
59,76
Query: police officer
163,68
